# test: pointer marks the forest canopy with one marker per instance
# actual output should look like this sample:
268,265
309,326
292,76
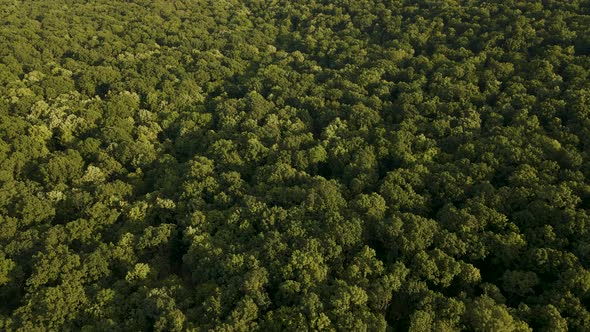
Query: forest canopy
368,165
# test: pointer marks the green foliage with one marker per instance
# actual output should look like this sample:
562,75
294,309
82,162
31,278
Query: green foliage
294,165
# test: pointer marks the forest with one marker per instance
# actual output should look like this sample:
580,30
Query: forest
312,165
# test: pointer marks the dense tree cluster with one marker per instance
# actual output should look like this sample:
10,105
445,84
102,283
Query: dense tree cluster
295,165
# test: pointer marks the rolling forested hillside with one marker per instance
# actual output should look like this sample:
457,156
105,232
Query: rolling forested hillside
314,165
